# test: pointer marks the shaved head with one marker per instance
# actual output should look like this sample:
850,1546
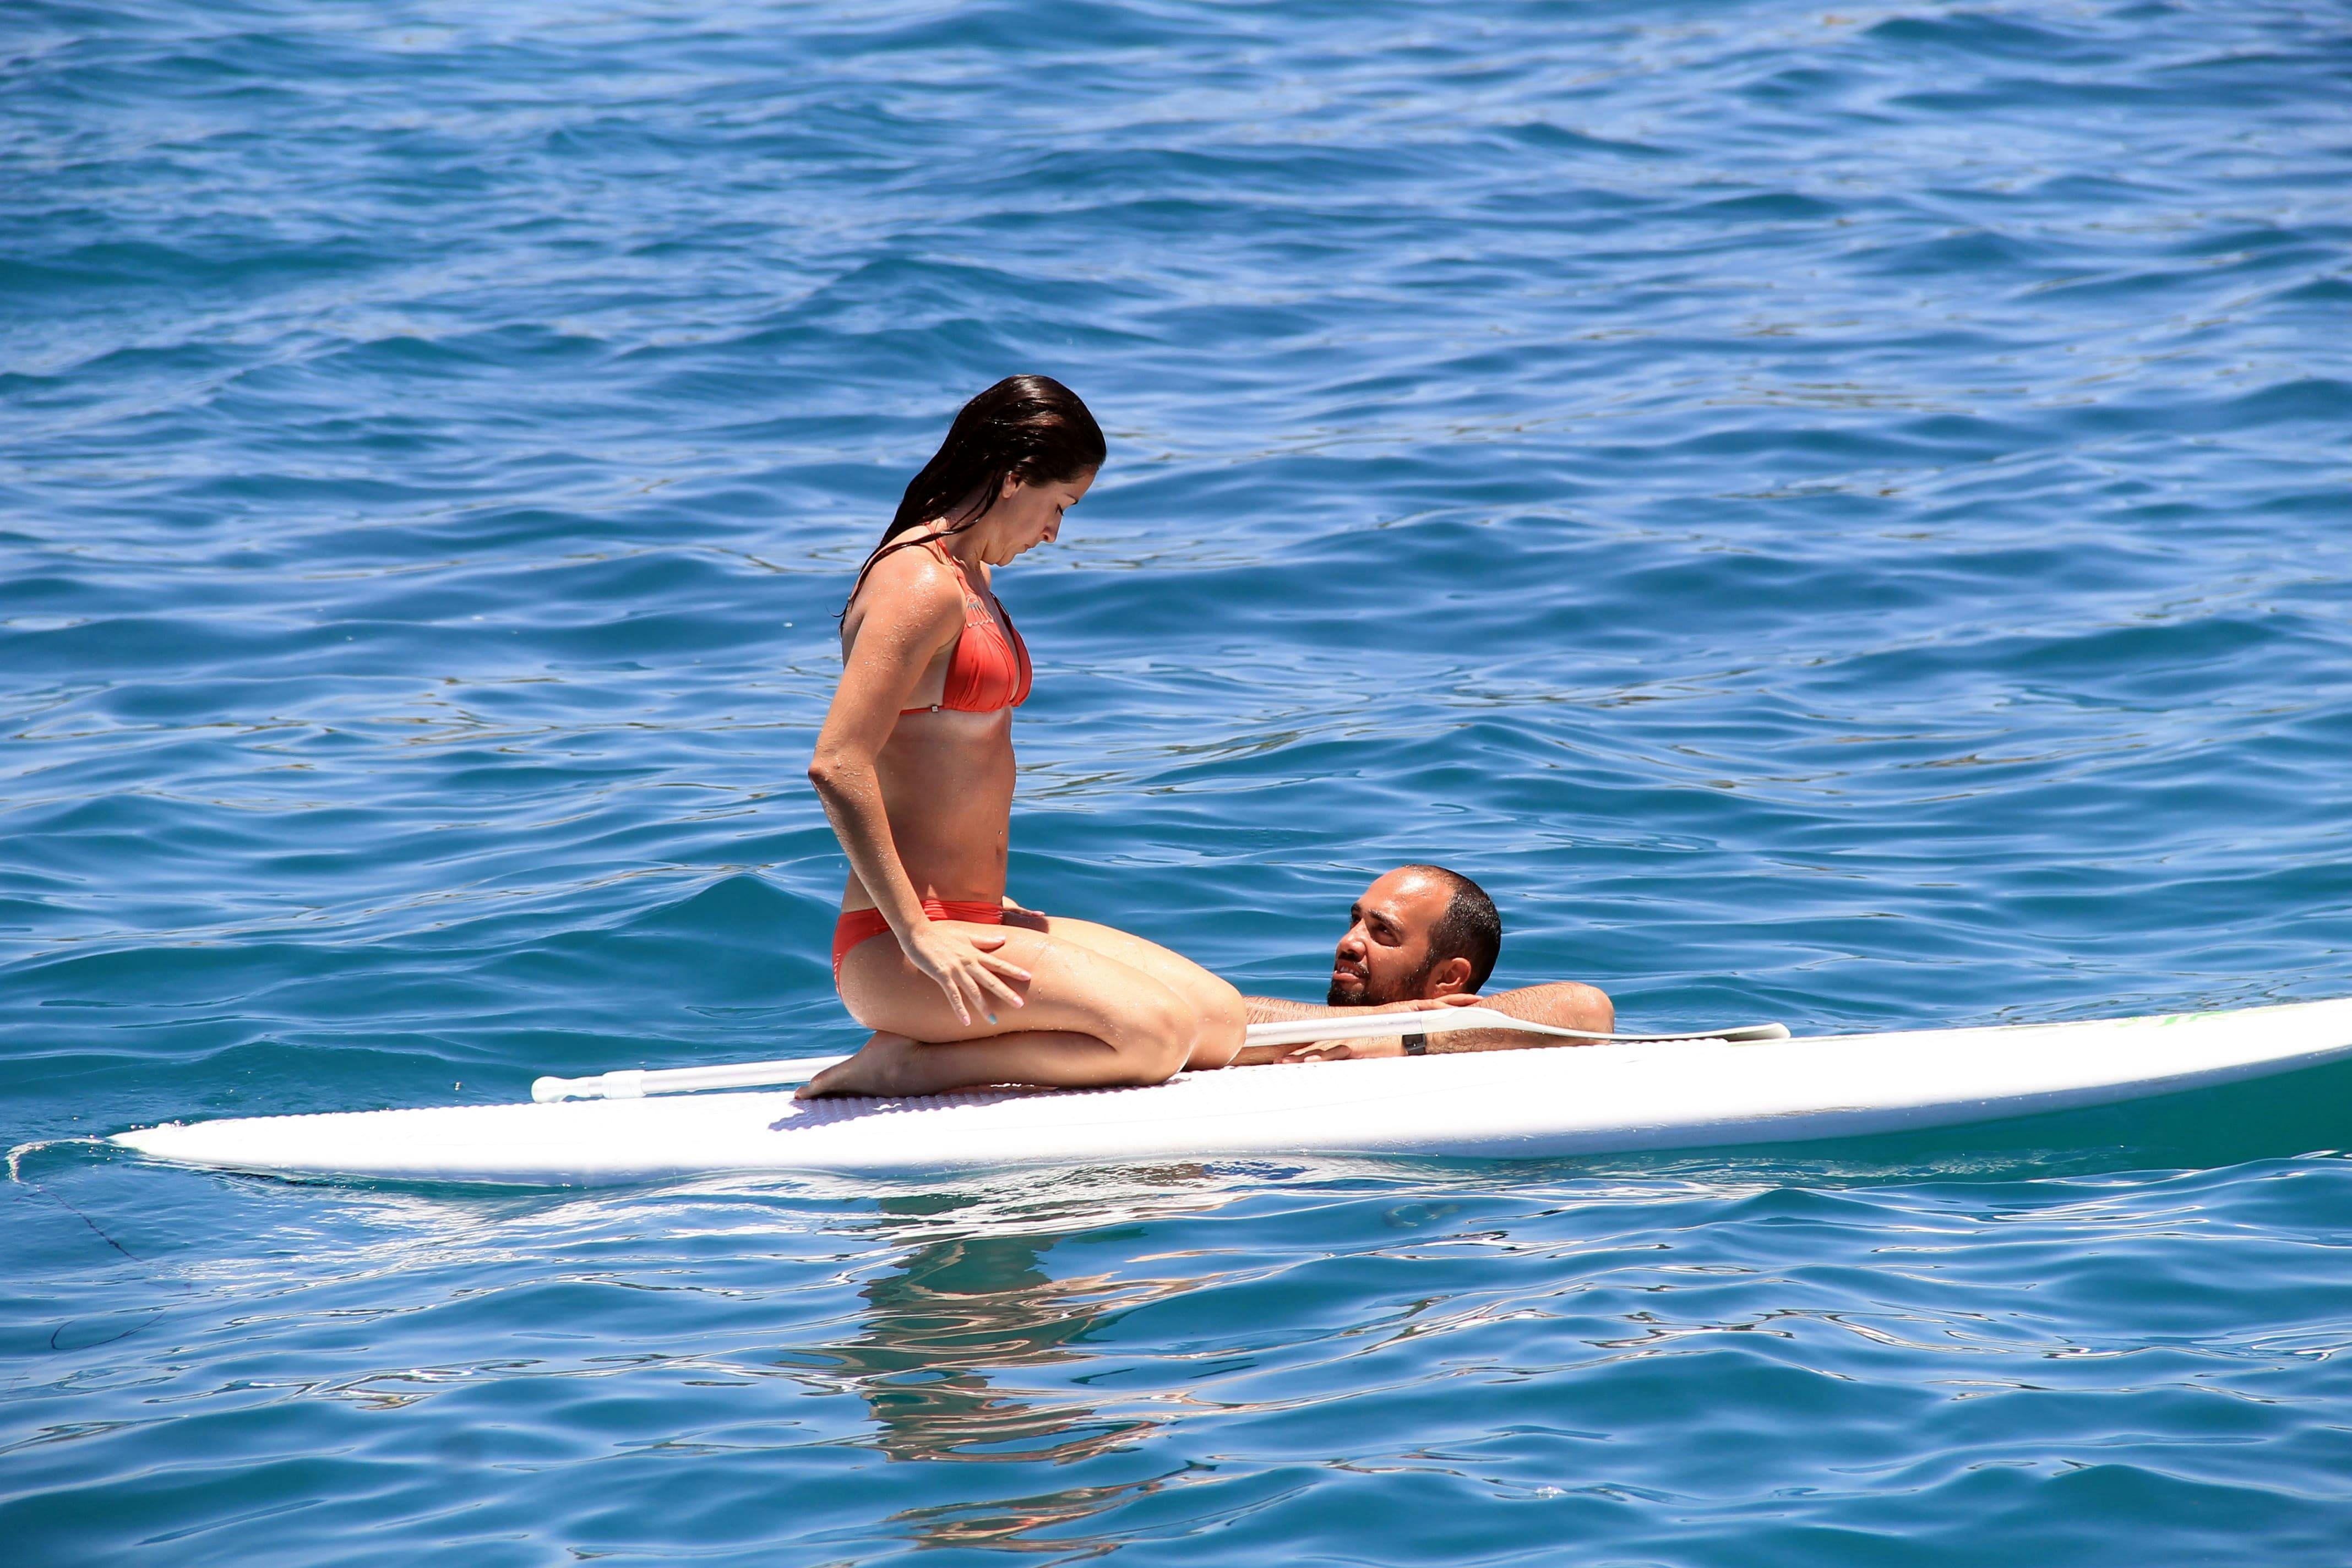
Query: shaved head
1471,928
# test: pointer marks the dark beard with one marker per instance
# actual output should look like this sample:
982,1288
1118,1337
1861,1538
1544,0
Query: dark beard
1364,996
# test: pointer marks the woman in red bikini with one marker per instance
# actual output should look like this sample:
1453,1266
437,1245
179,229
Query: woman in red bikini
961,985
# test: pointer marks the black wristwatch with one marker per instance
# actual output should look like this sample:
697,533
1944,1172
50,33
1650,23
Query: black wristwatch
1416,1045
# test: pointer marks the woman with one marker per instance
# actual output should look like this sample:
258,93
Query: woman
961,985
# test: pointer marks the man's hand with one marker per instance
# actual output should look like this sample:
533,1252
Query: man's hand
1316,1051
1267,1055
1347,1050
1344,1050
1386,1045
1313,1051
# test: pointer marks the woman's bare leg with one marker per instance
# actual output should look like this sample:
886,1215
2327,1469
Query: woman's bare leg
1215,1005
1088,1021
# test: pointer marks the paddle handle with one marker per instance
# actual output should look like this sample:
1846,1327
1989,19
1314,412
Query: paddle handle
636,1083
1454,1020
1421,1020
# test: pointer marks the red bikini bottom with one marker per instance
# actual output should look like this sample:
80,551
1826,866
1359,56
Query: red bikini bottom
863,925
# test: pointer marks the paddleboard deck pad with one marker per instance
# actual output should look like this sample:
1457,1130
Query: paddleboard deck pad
1568,1100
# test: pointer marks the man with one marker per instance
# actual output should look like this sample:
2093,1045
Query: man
1423,936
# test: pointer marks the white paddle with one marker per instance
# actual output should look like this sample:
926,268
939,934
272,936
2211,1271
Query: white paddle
634,1083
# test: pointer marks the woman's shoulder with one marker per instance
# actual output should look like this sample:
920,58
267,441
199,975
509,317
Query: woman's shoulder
912,579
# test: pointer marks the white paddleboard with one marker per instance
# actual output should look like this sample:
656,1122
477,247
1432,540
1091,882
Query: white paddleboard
1508,1104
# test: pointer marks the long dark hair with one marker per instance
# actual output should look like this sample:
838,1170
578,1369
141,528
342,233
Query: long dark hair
1031,428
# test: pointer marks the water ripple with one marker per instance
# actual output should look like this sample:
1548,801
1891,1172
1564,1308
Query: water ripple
1830,514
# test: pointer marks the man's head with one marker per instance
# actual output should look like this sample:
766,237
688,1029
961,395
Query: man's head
1418,933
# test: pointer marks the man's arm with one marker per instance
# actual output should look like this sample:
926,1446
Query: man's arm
1563,1004
1274,1010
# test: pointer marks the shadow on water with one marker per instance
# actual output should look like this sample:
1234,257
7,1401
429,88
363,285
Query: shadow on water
952,1314
966,1314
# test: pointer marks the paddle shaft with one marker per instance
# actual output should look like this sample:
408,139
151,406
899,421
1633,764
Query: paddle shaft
634,1083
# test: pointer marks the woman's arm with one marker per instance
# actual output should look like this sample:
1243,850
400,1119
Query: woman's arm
914,609
909,614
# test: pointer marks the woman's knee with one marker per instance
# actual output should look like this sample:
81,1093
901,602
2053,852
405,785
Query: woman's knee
872,995
853,1002
1156,1036
1203,1027
1220,1026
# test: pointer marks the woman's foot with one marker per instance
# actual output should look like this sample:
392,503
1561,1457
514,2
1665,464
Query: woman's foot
880,1068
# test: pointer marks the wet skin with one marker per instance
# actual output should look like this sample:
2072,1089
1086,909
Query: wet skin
922,804
1384,955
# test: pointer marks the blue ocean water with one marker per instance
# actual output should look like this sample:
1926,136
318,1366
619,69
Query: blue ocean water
1834,514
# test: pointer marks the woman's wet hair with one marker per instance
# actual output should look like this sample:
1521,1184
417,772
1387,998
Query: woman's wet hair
1031,428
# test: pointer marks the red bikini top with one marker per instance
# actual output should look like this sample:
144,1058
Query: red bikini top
988,670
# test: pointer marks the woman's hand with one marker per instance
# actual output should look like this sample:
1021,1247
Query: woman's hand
967,968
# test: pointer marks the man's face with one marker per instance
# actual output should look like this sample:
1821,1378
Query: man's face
1384,957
